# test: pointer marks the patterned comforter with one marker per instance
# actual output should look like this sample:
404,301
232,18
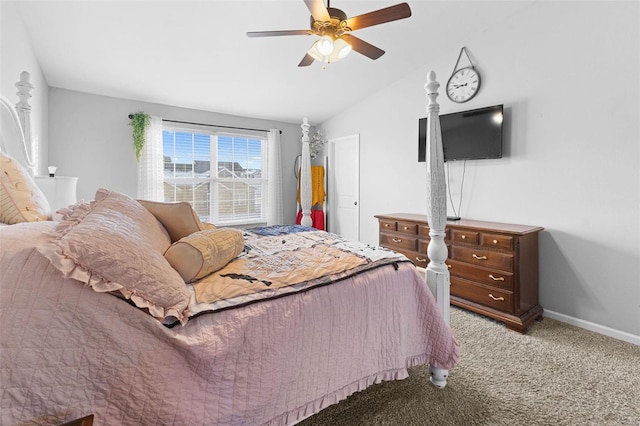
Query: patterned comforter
286,259
67,351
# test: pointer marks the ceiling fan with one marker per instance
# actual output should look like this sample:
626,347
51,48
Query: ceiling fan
335,31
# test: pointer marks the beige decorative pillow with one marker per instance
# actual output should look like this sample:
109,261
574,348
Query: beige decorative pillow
113,243
179,219
204,252
20,198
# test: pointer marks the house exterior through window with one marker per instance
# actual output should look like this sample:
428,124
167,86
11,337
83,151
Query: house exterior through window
222,175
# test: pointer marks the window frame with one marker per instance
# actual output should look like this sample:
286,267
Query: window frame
214,180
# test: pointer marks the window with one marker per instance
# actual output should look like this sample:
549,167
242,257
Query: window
223,176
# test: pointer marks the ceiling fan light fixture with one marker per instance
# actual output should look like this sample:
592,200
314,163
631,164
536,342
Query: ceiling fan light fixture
315,54
325,45
342,48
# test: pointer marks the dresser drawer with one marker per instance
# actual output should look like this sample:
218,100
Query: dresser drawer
481,275
465,236
407,228
486,258
418,259
399,242
496,240
387,225
484,295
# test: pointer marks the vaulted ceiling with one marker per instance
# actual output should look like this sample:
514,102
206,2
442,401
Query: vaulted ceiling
196,54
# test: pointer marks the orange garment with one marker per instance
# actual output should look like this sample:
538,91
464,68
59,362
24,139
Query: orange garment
317,186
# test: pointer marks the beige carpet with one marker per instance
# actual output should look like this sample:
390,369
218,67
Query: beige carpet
557,374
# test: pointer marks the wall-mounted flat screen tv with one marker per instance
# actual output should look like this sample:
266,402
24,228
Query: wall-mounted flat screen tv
467,135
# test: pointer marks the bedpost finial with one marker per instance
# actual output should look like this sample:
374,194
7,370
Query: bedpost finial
305,129
432,92
25,76
24,91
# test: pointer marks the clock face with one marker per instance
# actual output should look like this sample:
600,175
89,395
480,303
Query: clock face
463,85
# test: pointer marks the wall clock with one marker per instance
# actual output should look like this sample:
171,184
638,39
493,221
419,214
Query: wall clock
464,83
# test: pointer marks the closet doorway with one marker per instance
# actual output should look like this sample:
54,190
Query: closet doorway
343,200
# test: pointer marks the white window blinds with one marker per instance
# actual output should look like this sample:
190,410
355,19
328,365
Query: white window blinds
223,176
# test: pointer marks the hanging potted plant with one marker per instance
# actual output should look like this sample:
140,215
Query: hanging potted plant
139,121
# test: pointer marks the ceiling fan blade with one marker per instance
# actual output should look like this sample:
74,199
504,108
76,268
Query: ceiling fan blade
318,10
277,33
388,14
306,61
361,46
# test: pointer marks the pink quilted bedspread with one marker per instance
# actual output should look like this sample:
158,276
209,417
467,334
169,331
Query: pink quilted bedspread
67,351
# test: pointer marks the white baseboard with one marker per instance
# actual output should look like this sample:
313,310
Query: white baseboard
601,329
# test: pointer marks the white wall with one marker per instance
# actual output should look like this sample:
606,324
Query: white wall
90,137
568,75
16,55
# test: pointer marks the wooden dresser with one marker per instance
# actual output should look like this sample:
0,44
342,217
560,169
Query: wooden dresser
493,266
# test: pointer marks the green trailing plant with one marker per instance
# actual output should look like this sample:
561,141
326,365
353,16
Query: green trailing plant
139,121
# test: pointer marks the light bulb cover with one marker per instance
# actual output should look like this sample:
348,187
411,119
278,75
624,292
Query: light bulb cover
325,45
341,48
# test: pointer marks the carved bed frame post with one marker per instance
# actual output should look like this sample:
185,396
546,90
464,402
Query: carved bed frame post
305,175
22,107
21,116
437,274
20,146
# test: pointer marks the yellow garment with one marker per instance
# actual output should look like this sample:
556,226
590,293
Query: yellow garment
317,186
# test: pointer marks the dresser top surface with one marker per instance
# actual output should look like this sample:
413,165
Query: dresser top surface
466,223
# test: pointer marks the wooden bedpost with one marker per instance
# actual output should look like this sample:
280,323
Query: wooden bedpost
437,274
305,176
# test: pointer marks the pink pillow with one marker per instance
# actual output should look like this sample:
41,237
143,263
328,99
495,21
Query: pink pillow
114,243
20,198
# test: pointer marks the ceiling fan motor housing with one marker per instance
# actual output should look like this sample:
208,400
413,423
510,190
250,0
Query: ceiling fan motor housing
330,28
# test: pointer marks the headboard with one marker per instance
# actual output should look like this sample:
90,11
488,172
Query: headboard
15,125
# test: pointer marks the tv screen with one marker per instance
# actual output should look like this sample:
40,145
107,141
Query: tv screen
467,135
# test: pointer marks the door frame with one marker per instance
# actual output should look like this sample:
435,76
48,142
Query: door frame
331,205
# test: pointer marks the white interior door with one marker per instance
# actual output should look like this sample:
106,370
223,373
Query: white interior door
343,198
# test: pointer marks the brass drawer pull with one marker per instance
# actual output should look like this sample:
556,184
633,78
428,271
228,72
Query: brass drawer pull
496,279
396,240
386,225
475,256
449,266
406,228
498,299
464,237
495,241
421,260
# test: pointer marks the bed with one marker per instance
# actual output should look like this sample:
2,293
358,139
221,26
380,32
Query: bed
139,314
